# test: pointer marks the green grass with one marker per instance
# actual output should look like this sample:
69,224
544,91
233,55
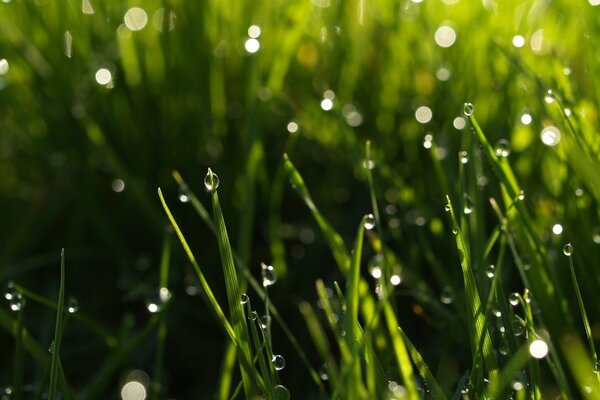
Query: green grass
401,211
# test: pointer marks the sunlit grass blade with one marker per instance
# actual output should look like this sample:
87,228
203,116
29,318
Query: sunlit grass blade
58,329
233,289
351,316
477,327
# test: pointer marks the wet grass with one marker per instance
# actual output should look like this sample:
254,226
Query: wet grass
406,203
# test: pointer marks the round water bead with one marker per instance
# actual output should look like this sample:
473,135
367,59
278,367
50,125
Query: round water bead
281,392
538,349
517,327
463,156
184,194
265,321
469,109
278,362
369,164
447,295
253,316
568,250
269,276
369,221
490,271
72,305
502,148
244,298
157,300
211,181
513,299
16,301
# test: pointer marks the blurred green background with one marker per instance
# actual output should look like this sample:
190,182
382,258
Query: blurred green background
101,100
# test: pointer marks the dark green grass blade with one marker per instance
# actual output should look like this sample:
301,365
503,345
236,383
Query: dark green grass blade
58,329
340,252
18,355
477,327
233,292
165,262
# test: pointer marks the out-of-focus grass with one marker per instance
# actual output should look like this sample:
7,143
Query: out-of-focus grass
95,114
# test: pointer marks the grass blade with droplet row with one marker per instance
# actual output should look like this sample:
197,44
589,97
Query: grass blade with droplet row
58,329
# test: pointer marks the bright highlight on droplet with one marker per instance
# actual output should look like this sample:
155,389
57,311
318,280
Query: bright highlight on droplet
254,31
526,119
443,74
550,136
395,280
445,36
252,45
538,349
135,18
518,41
103,76
133,391
329,94
292,127
423,114
326,104
3,66
594,2
557,229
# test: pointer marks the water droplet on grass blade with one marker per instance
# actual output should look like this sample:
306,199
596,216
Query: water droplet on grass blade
265,321
253,316
269,276
463,157
369,164
490,271
469,109
72,305
184,194
281,392
447,295
568,250
369,221
244,298
513,299
502,148
538,349
278,362
211,181
16,302
517,327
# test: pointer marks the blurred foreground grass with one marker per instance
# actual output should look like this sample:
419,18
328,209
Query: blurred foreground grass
101,101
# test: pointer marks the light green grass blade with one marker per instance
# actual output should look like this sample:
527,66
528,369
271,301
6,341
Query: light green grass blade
58,329
477,327
233,290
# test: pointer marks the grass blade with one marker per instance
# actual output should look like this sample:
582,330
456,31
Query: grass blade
233,289
58,328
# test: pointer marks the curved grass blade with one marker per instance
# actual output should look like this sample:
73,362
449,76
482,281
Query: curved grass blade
233,290
476,318
58,329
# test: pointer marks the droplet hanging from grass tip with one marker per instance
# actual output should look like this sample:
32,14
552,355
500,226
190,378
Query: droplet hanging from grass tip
278,362
269,275
281,392
568,250
369,221
502,148
211,181
469,109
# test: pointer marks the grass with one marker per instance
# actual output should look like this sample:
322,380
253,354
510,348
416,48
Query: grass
406,203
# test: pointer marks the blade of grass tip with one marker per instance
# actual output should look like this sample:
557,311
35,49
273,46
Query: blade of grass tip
340,252
232,286
319,338
165,262
258,288
351,316
477,321
55,346
568,251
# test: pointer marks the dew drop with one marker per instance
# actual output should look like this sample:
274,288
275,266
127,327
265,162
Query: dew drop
538,349
517,327
521,196
369,164
184,194
447,208
281,392
211,181
549,98
513,299
447,295
497,313
568,249
490,271
265,321
72,305
369,221
269,276
455,231
253,316
374,266
550,136
502,148
51,347
157,300
463,156
16,301
469,109
244,298
278,362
